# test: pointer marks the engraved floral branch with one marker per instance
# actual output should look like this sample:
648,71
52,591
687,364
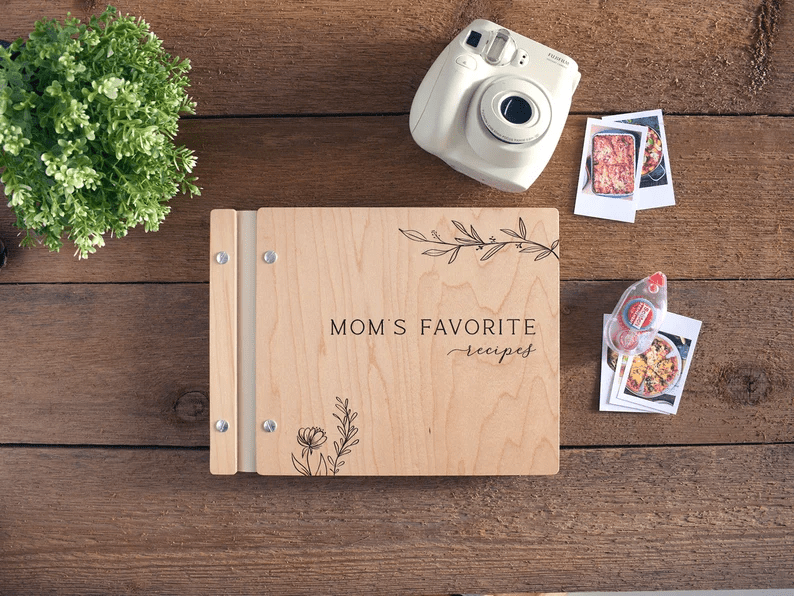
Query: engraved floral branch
470,238
347,431
312,438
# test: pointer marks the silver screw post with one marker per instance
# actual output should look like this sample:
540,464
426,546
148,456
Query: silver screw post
221,426
270,257
222,257
270,426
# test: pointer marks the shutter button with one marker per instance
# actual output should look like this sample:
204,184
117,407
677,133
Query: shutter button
466,61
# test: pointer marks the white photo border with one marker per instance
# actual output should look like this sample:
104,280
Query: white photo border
674,325
592,205
652,197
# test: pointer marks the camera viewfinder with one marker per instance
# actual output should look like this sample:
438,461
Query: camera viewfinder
474,39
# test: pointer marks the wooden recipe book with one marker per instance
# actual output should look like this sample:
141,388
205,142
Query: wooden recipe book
384,341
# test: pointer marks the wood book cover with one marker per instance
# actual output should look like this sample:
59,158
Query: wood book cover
384,341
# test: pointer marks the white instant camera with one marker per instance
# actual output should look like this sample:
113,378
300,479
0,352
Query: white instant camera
493,105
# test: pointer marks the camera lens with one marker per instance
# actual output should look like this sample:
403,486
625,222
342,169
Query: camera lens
512,109
516,110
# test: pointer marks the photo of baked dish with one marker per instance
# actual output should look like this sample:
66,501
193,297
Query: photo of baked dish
656,370
609,173
613,180
653,152
613,162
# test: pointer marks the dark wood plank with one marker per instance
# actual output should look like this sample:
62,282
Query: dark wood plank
323,56
128,365
154,521
740,369
92,360
108,364
732,175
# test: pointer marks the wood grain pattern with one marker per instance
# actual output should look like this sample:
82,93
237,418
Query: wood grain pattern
118,364
154,521
394,360
725,170
324,56
128,365
114,350
223,364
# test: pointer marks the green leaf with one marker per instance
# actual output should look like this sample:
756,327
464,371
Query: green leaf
91,134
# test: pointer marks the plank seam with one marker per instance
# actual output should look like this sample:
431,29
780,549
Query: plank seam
566,280
403,114
206,448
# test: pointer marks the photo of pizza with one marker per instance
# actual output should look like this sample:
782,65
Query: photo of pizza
613,162
653,152
656,370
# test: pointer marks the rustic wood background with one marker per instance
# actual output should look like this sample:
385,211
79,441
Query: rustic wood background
104,363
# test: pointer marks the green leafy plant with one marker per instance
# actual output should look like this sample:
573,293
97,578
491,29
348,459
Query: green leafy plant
88,117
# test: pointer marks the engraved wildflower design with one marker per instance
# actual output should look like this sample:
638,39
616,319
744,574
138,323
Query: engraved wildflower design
312,438
469,238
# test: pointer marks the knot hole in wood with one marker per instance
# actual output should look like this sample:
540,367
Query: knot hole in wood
192,406
746,385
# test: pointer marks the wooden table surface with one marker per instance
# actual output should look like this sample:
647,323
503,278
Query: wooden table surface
104,363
